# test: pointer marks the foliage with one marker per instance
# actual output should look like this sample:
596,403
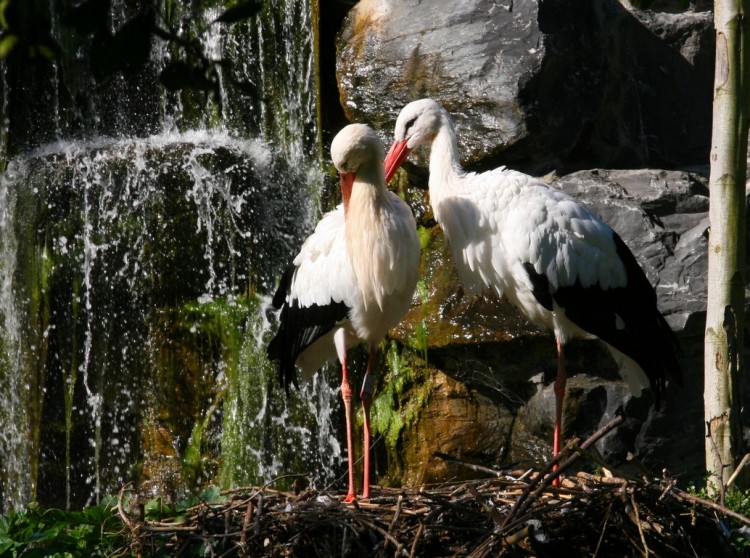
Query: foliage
37,531
736,501
25,28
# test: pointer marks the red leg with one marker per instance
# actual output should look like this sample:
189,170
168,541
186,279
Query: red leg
559,399
366,396
346,395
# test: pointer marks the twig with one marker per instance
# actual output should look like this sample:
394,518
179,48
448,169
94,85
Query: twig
631,458
527,491
517,537
168,528
472,466
396,515
121,511
738,470
604,529
594,457
603,480
680,494
416,539
637,522
246,521
265,487
126,520
544,480
591,440
386,534
256,523
404,522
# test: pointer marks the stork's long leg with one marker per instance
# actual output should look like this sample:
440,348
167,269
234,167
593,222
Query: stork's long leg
339,340
559,400
346,395
366,396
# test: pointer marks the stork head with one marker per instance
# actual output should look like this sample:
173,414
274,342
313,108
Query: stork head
417,124
357,150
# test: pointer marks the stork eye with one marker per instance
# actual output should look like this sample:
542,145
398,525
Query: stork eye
409,124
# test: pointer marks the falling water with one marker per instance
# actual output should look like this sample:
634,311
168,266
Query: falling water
14,417
136,270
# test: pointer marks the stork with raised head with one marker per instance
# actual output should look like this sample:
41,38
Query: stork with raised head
552,258
352,281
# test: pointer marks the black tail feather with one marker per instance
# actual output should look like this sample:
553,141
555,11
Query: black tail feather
299,327
626,318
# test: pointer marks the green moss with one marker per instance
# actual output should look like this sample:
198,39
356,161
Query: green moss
198,353
405,393
267,433
246,397
425,235
419,337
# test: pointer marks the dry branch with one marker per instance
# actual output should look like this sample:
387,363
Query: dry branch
594,516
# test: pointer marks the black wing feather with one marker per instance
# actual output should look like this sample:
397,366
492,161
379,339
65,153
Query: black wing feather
299,327
644,335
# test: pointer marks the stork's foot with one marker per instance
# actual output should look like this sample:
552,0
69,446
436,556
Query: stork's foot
351,497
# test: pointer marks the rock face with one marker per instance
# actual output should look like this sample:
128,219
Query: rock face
569,87
538,85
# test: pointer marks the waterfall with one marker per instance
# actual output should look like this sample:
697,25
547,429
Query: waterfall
15,448
142,231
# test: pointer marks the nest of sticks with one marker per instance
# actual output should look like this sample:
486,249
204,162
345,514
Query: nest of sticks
518,513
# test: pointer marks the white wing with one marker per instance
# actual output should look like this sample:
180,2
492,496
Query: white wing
323,273
562,239
504,219
397,252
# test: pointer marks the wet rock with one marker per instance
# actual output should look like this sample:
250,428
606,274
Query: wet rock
458,421
538,85
589,403
663,218
138,255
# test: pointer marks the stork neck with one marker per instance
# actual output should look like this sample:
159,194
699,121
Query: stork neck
367,196
445,166
364,232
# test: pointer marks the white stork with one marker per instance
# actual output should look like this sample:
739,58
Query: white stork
552,258
352,280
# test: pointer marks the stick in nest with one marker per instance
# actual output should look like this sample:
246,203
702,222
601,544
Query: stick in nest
545,478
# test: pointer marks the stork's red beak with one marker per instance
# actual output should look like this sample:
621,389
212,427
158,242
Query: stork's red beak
396,155
347,180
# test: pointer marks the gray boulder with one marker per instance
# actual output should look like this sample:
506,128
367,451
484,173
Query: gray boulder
538,85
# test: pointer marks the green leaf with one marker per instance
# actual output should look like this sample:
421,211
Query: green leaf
6,45
157,508
180,75
3,18
127,51
212,495
48,534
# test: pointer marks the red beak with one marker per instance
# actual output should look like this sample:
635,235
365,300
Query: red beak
347,180
396,155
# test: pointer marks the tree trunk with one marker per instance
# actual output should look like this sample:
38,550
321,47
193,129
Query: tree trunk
723,362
